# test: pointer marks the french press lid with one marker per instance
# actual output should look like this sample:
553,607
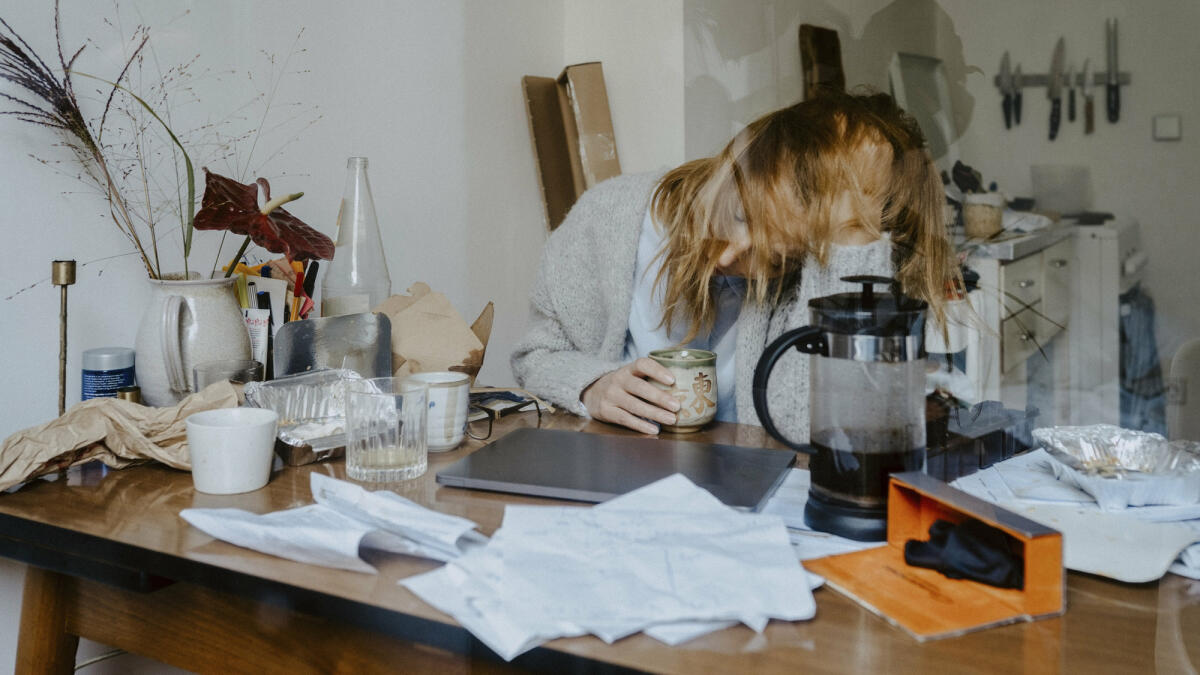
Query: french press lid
867,312
868,325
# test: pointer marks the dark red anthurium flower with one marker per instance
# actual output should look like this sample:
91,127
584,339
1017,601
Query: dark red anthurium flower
230,205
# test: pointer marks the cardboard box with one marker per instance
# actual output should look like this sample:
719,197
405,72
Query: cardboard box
927,604
572,133
428,334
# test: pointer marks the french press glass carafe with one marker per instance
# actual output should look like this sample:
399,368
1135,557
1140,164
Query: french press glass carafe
866,403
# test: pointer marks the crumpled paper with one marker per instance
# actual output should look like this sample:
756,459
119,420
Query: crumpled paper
345,519
114,431
428,334
668,559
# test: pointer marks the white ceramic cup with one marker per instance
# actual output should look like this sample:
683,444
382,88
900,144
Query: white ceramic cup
231,449
449,398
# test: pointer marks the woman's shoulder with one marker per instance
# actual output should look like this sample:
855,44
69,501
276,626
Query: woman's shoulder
624,187
610,211
618,198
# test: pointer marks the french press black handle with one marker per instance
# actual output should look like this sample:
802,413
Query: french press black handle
808,340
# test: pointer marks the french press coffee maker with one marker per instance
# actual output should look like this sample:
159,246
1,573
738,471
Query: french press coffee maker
866,403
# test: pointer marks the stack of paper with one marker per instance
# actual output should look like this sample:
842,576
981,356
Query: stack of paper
668,559
344,519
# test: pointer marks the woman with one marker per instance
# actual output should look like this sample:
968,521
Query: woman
724,253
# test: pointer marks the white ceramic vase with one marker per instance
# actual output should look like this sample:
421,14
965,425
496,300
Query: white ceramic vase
185,323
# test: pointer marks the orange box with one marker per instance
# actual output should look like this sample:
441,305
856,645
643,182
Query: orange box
927,604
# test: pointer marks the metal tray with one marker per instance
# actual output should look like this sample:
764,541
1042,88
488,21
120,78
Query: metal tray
358,342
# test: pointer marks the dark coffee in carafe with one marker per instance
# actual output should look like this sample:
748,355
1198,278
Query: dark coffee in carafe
852,466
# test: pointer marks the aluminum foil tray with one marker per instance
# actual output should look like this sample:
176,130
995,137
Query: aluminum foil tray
312,413
1122,467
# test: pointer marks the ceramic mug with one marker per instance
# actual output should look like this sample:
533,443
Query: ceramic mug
231,449
695,387
449,398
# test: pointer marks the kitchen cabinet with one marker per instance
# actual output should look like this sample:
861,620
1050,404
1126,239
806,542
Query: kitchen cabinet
1047,326
1023,310
1058,269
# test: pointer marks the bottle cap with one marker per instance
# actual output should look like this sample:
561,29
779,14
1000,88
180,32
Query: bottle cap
108,358
130,393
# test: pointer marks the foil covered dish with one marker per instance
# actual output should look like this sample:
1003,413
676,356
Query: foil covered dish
1124,467
312,413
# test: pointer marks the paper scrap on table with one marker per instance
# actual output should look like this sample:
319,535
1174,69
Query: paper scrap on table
1143,541
345,519
668,559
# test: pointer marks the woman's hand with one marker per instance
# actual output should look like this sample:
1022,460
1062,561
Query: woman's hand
623,397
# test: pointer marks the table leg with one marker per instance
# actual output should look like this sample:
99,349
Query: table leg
44,645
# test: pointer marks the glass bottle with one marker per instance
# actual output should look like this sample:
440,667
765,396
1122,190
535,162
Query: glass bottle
357,278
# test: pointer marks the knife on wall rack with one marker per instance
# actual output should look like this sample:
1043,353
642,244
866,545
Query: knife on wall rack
1112,83
1018,83
1069,83
1055,87
1085,89
1006,91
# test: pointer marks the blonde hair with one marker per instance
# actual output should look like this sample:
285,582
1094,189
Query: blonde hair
782,178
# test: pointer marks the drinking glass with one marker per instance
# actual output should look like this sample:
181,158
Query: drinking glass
239,371
386,429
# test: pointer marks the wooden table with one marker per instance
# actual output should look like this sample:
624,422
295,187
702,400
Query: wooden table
113,562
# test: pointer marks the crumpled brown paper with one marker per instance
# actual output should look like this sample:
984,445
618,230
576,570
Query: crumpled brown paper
428,334
114,431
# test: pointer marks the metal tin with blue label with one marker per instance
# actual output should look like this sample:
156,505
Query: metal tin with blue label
105,370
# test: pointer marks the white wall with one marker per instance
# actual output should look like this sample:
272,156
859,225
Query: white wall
639,44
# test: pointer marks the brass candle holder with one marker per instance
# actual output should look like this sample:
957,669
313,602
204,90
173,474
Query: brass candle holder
62,274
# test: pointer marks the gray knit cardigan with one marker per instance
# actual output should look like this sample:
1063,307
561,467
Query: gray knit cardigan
580,304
